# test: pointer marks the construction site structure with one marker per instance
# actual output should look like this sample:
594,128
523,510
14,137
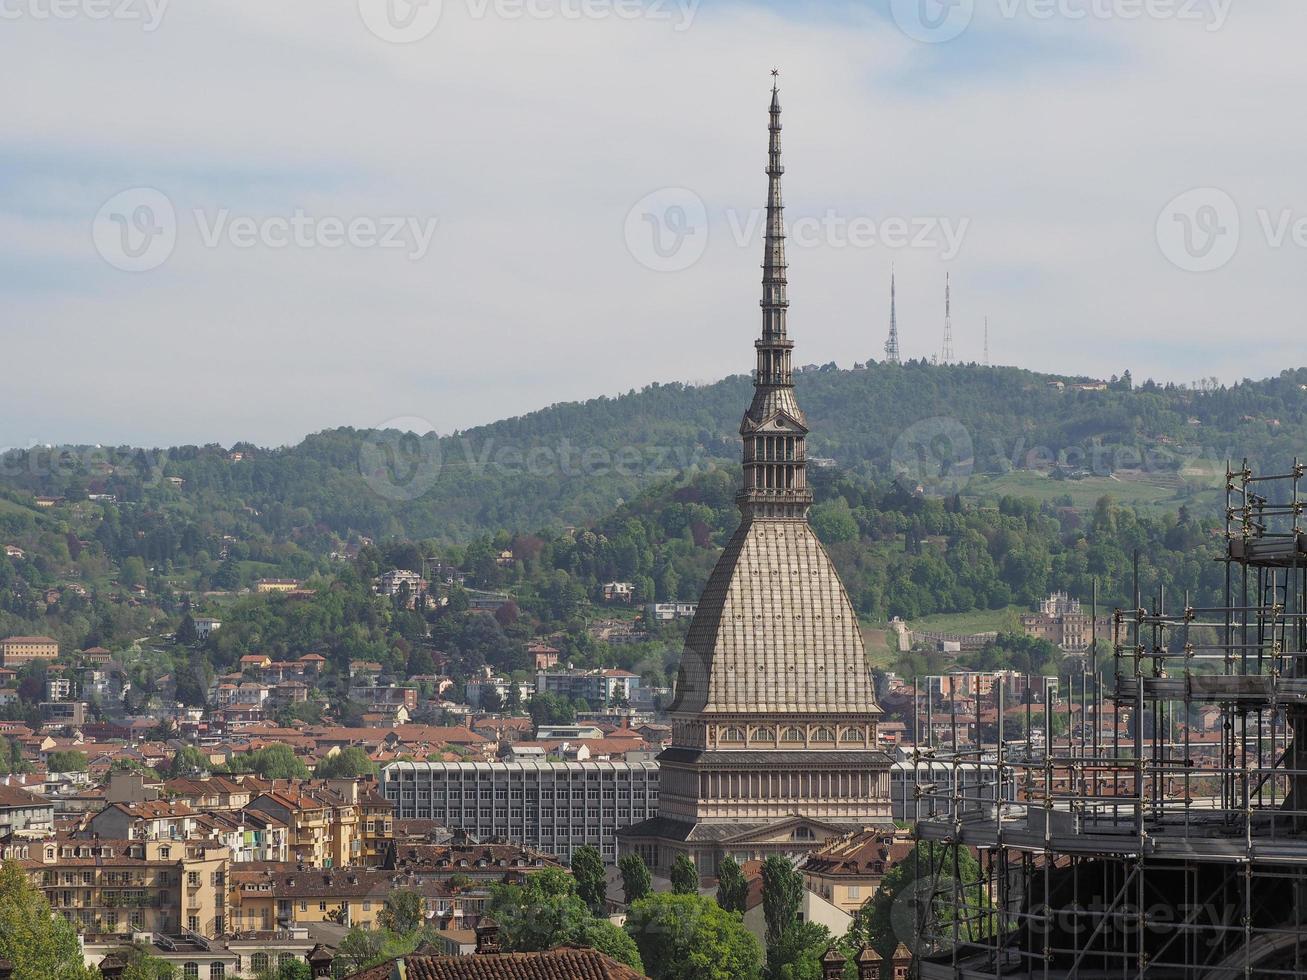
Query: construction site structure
1153,822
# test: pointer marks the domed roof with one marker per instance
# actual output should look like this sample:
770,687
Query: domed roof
775,631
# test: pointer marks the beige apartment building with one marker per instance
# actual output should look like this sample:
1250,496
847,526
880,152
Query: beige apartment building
120,887
19,651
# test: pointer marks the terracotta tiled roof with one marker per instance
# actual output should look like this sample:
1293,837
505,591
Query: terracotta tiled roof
557,964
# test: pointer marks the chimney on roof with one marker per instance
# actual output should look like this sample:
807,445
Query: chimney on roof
832,965
868,962
320,960
487,935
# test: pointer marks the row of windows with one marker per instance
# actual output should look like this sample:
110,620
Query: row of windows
793,735
607,793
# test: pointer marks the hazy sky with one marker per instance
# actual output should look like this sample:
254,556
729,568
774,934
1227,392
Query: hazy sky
555,199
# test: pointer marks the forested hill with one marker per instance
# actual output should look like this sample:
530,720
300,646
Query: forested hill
572,462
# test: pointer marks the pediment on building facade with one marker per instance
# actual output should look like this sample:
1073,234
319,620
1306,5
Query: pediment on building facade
778,423
795,829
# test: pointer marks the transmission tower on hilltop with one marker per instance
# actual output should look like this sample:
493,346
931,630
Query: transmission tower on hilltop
946,355
892,345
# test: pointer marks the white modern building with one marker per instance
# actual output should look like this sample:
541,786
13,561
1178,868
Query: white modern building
553,807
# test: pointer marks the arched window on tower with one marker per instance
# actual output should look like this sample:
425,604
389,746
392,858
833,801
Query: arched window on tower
733,735
793,736
851,735
764,735
820,735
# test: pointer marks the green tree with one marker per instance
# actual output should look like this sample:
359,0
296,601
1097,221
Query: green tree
686,937
133,572
68,760
402,912
272,762
685,876
880,922
142,964
40,944
348,763
732,886
188,761
797,953
591,879
637,882
186,633
294,970
360,949
782,893
547,911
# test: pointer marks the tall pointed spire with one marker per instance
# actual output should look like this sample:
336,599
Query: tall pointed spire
774,299
774,428
892,345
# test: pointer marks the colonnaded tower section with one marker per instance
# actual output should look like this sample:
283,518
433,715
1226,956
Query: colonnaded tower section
774,745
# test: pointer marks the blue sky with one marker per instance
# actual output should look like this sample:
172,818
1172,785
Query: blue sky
519,161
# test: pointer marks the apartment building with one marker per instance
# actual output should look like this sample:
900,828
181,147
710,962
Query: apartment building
144,820
120,887
22,812
599,688
308,821
249,836
19,651
553,807
325,827
290,899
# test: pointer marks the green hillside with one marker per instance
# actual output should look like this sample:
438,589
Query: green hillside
984,431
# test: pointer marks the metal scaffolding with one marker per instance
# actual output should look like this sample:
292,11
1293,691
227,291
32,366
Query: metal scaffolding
1164,833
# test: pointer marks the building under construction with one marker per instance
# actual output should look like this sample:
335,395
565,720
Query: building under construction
1164,833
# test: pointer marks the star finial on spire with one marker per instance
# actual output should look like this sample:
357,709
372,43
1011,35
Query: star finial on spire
776,75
